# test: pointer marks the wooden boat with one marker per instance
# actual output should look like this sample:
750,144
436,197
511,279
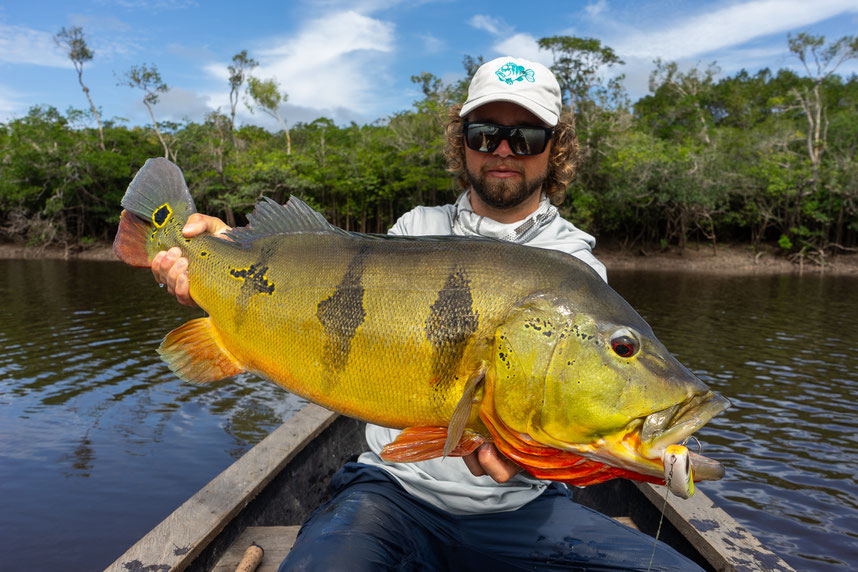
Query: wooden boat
265,495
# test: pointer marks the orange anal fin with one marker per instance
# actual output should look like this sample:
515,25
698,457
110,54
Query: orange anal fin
194,354
424,443
129,246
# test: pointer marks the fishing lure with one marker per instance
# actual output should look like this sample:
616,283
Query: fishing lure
678,472
679,479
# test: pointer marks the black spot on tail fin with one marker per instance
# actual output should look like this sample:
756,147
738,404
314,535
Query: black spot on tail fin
158,183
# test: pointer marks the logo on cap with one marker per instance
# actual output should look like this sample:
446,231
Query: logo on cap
510,73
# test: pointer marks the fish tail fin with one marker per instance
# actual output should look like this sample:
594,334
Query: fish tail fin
193,352
129,246
157,205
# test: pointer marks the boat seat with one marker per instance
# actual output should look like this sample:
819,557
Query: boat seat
276,541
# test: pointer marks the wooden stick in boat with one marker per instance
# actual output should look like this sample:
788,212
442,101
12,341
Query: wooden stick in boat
251,559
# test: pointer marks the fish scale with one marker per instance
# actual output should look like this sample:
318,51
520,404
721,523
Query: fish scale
457,340
429,349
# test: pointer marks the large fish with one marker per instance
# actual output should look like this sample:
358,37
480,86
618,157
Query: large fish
458,341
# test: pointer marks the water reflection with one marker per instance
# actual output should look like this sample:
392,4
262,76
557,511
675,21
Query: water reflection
98,440
779,348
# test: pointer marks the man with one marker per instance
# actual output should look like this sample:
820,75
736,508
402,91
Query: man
514,157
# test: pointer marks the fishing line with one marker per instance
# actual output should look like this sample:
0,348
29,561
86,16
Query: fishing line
663,508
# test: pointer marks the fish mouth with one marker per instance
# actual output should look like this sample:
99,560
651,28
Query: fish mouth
675,424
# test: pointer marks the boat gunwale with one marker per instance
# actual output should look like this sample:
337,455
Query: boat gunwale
174,543
183,539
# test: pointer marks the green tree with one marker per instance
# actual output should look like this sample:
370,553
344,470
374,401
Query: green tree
681,101
577,62
56,184
73,42
266,94
148,79
239,70
820,62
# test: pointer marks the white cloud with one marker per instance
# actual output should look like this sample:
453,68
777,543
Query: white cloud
596,8
488,23
20,45
178,104
523,46
219,71
335,62
730,26
109,37
365,6
431,44
747,35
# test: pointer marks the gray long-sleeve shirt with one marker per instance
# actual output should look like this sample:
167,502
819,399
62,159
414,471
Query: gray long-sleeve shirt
447,483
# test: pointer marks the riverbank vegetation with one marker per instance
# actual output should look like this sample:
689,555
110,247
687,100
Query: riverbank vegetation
765,158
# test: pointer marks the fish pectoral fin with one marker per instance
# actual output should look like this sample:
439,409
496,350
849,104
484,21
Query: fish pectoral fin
423,443
193,352
460,416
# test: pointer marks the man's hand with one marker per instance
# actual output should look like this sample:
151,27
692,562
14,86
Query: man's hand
171,268
487,460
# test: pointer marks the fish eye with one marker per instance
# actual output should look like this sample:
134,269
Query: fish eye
624,343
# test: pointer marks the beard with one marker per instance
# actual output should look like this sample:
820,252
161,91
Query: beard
504,193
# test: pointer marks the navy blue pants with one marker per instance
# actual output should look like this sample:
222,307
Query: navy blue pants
371,523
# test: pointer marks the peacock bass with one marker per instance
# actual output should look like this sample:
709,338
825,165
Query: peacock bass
458,341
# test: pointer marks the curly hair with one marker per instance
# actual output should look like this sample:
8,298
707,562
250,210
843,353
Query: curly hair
562,164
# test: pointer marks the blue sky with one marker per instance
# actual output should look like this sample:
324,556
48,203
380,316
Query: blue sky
353,60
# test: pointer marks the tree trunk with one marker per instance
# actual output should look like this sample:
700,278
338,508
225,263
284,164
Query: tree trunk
157,131
230,215
92,105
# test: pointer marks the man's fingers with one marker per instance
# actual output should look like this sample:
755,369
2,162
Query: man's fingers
177,270
183,290
473,464
170,267
156,266
488,461
200,223
163,263
194,226
496,465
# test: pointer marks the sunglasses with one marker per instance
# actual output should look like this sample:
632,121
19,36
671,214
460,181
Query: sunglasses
523,139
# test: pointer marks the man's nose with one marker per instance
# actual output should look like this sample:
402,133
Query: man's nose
503,150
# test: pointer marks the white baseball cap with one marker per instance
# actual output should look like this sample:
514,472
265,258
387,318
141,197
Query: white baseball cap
528,84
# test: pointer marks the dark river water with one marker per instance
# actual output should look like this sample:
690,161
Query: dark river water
99,441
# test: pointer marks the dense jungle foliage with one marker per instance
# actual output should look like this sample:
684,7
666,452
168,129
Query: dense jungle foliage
768,157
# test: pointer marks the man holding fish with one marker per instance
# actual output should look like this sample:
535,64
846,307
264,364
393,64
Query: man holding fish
514,155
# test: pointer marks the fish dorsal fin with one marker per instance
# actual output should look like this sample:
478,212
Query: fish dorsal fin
269,218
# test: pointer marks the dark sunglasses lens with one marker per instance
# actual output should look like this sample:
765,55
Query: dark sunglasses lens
525,141
486,137
482,137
